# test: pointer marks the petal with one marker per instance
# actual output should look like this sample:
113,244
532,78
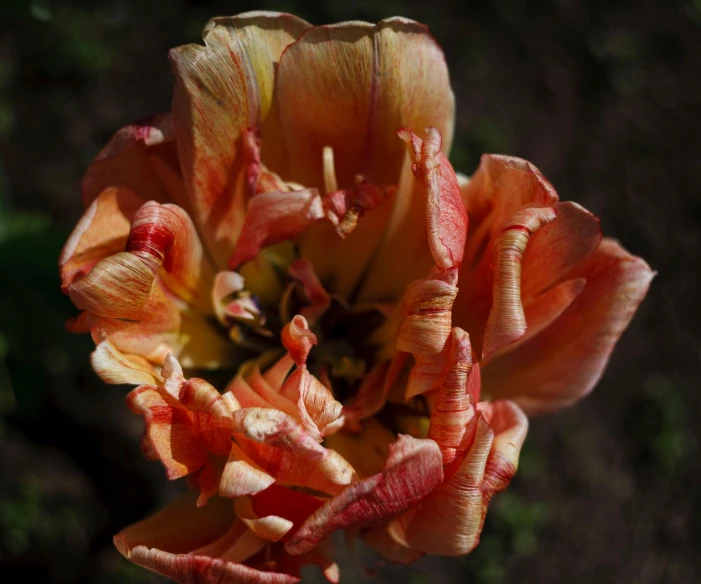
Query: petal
268,527
196,546
241,476
506,322
298,339
140,157
102,231
316,405
413,469
350,87
136,295
564,361
367,449
115,367
379,539
450,519
446,217
425,329
223,90
452,409
170,429
275,217
278,444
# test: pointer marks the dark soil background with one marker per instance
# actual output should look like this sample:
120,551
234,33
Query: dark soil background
604,97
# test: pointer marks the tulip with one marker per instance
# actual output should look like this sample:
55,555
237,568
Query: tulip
294,224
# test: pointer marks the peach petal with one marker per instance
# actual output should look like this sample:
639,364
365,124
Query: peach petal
224,95
241,476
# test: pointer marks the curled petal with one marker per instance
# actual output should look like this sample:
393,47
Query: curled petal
446,216
371,395
413,469
196,546
536,248
328,472
298,339
507,322
563,362
453,409
275,217
425,329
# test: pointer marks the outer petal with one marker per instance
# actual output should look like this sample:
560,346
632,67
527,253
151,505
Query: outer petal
196,546
141,157
351,87
450,519
501,186
114,367
564,361
101,232
412,470
452,409
224,89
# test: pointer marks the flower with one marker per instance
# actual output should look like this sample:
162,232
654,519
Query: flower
273,236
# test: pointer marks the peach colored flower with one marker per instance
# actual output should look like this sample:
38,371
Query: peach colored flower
273,236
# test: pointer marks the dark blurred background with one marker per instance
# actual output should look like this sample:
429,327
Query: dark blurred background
604,97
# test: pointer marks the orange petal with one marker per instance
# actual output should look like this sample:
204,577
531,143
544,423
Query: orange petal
196,546
135,295
298,339
564,361
102,231
350,87
223,90
412,471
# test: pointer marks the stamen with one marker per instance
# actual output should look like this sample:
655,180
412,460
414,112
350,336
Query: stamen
330,182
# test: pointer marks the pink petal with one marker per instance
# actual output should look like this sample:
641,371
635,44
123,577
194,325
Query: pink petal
412,470
275,217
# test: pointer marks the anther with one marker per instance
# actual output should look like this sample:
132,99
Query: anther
330,182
